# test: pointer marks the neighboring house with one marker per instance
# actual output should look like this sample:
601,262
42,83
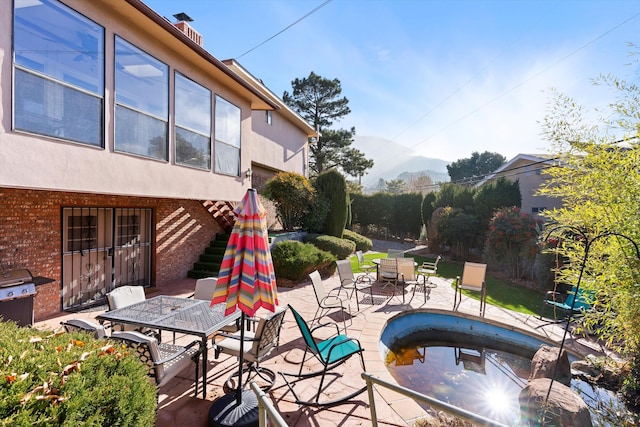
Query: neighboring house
117,131
527,170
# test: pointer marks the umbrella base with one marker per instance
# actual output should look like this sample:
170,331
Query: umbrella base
225,411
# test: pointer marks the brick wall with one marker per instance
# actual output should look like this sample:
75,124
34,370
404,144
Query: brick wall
30,236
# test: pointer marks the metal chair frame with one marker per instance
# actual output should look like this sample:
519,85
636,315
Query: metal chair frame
331,352
164,361
349,282
256,347
327,302
473,279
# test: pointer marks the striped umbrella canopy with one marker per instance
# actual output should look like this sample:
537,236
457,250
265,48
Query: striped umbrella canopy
246,279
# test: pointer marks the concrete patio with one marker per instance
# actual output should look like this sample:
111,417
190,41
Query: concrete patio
178,406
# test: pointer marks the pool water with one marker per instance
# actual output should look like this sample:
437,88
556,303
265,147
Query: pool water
479,374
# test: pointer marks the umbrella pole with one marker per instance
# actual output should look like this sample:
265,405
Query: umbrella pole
240,359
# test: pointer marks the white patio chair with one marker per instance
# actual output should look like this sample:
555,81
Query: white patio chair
350,283
327,302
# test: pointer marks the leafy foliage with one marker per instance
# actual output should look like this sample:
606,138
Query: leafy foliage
362,243
292,194
511,243
340,248
471,169
315,219
458,230
293,260
598,179
69,380
333,187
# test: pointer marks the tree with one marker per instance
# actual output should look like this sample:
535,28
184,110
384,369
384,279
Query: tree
318,101
292,194
332,185
474,168
501,193
395,186
511,244
598,179
458,229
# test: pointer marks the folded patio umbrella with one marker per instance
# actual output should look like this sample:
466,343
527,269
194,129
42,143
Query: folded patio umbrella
246,280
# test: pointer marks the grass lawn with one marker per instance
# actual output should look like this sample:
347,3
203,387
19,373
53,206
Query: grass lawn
501,293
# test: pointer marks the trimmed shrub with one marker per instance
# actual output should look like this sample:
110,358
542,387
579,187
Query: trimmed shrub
333,186
69,380
363,244
293,260
340,248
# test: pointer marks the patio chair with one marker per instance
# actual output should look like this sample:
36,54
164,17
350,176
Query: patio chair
164,361
388,271
473,279
406,274
568,303
364,267
471,359
256,347
427,270
349,282
83,325
395,253
328,302
330,353
204,291
125,296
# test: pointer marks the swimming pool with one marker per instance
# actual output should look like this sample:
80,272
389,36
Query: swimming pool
477,364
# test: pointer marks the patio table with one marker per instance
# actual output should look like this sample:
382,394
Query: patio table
183,315
376,261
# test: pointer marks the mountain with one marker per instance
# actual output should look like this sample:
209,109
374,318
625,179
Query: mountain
391,160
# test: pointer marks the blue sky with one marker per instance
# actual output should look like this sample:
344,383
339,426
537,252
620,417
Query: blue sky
442,78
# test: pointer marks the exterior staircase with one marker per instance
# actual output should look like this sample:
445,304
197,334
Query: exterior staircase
222,212
208,265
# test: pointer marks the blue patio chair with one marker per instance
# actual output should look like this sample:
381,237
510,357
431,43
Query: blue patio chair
330,352
568,303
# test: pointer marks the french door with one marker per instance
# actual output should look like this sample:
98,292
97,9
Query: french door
103,248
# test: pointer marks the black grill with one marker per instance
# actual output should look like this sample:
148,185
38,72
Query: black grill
17,292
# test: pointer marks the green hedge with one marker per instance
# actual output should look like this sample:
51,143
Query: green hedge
293,260
363,244
70,380
340,248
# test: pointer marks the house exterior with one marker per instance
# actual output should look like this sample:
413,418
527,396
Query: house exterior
527,170
117,131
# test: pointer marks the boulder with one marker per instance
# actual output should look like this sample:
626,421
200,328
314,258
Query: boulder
544,362
564,407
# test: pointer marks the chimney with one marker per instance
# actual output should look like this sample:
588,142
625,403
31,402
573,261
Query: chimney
183,25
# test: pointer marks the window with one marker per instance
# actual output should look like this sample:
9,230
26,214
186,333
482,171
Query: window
59,72
142,102
227,131
269,117
82,232
537,210
193,123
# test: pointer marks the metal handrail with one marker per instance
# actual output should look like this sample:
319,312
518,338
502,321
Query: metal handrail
265,408
434,403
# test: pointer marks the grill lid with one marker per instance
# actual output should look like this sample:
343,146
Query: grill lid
15,277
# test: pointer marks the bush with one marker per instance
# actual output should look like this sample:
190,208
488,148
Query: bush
340,248
362,243
293,260
69,380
